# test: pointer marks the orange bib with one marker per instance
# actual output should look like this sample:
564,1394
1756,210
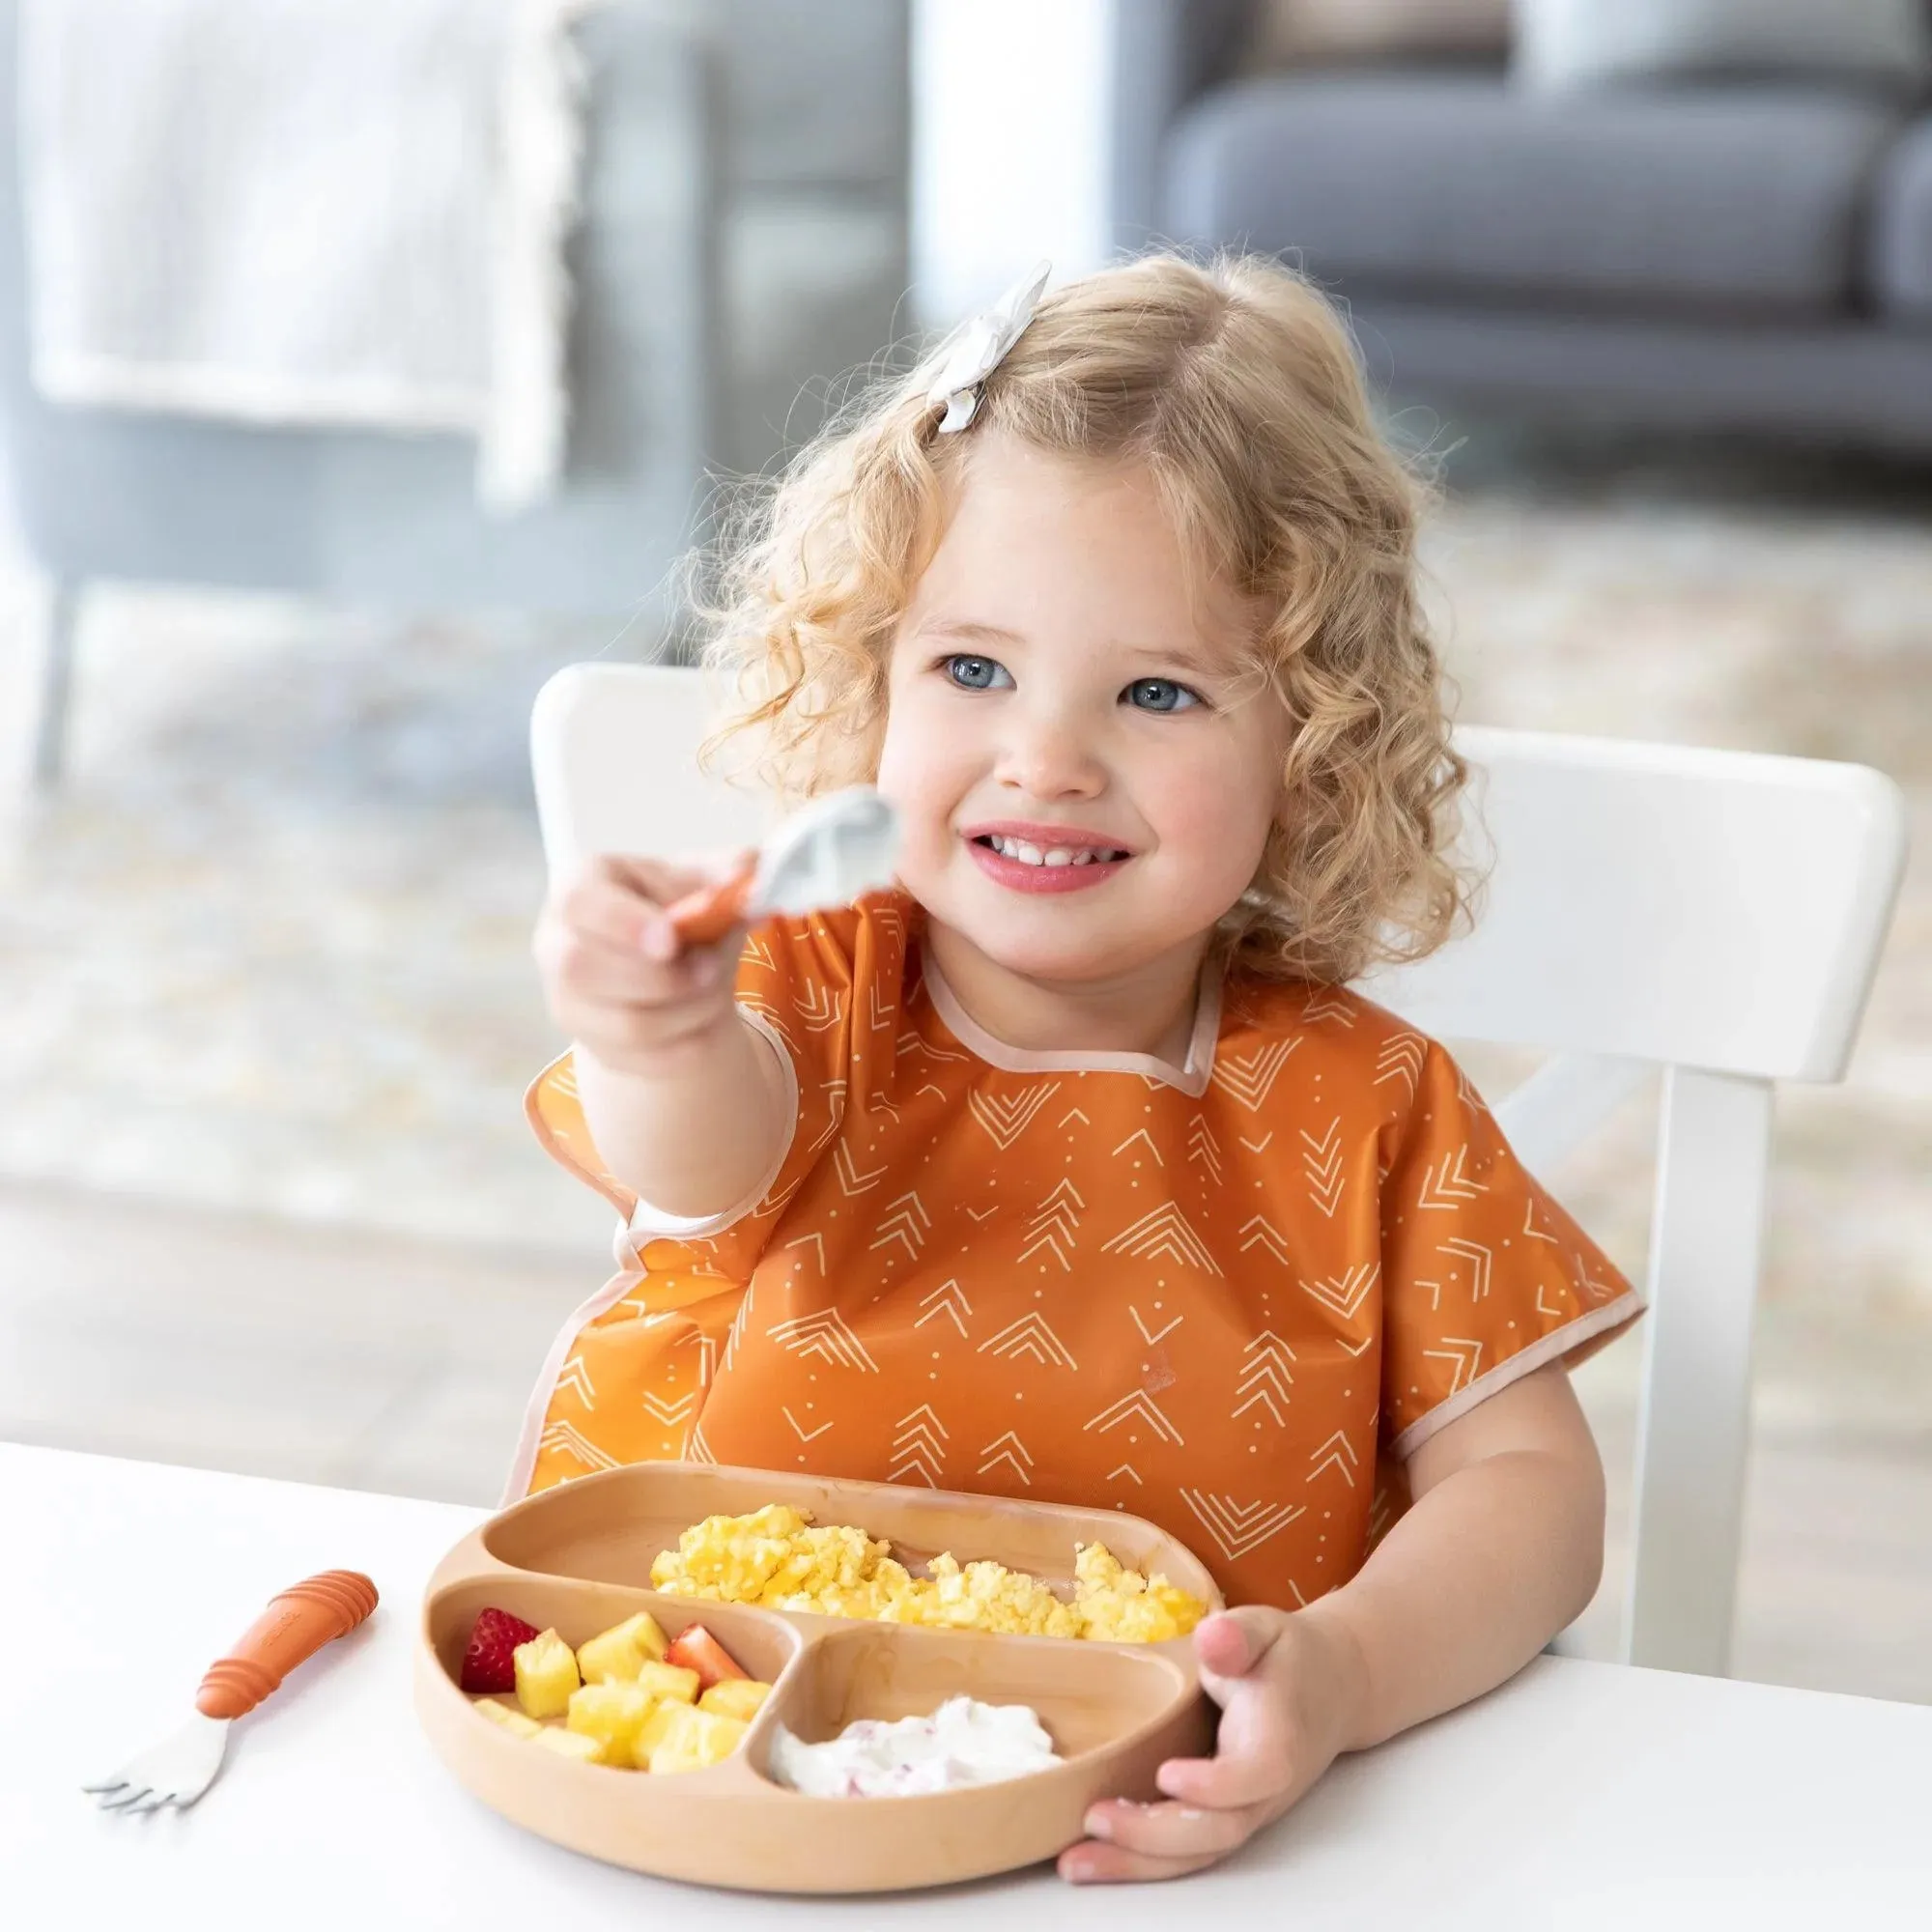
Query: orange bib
1222,1296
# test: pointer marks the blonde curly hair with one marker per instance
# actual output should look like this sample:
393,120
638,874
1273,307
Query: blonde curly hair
1235,385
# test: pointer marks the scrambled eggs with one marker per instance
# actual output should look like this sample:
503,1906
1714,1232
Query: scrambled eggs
779,1558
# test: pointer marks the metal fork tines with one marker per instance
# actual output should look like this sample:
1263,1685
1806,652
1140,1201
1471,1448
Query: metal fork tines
176,1772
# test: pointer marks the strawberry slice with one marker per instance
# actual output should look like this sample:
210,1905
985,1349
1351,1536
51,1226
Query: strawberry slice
695,1648
489,1661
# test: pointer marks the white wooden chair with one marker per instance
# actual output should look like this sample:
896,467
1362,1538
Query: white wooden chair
1714,914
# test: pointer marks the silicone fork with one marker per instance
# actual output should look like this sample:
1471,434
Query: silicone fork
825,854
294,1627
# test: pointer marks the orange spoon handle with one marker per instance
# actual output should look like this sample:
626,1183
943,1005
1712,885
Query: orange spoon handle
294,1627
704,916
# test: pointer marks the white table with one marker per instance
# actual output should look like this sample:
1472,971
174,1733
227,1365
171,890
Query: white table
1579,1796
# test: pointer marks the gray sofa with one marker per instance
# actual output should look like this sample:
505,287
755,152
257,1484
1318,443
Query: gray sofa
1719,256
745,233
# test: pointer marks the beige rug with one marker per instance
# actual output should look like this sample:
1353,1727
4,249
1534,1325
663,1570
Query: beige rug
269,950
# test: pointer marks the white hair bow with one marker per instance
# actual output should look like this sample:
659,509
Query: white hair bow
979,347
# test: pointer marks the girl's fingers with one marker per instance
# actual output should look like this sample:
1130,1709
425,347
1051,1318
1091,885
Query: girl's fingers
1173,1830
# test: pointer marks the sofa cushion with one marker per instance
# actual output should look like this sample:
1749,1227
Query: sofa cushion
1734,199
1901,246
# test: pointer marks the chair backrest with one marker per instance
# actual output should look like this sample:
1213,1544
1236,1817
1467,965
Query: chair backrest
1717,914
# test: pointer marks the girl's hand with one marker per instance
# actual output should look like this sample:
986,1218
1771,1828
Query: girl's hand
1289,1691
618,981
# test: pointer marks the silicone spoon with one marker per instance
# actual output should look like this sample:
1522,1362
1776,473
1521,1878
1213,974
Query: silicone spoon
826,854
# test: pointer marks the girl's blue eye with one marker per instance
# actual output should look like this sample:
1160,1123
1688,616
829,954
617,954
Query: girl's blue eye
1160,693
972,673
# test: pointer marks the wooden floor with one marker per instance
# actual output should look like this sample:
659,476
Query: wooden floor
375,1364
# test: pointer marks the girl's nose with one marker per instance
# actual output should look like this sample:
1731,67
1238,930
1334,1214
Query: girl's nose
1048,756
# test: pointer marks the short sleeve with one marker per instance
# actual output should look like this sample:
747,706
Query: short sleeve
796,987
1485,1277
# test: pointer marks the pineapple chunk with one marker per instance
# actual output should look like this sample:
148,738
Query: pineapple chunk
508,1716
695,1738
619,1654
736,1697
670,1680
569,1744
613,1713
546,1675
666,1714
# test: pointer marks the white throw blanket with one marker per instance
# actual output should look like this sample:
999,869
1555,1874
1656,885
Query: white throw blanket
308,212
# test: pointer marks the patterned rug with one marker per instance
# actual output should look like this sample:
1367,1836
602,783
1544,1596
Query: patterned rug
269,949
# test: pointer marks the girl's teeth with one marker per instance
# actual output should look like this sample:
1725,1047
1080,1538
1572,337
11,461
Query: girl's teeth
1057,855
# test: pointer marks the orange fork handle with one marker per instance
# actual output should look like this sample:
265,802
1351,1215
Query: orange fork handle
294,1627
704,916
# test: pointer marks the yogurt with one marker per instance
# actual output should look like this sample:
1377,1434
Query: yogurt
961,1742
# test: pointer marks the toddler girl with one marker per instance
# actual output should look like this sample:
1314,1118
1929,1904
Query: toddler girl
1071,1168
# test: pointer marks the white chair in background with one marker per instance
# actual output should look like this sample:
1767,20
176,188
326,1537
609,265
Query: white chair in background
1714,914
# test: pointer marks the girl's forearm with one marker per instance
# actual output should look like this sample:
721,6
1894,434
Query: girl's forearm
1483,1570
694,1136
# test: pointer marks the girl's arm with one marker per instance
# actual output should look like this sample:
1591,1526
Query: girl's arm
687,1105
1503,1546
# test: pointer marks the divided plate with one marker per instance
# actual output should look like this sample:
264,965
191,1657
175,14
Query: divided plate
579,1557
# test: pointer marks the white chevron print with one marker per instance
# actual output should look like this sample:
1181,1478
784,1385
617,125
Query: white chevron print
1265,1380
1249,1078
1331,1004
1139,1134
1587,1286
1544,1308
820,1009
883,1014
1321,1165
669,1413
1345,1293
1529,1226
1261,1146
1031,1335
906,1222
566,1437
1446,1184
1240,1527
1202,1146
1259,1232
1075,1114
1011,1451
564,1079
826,1338
1006,1120
760,952
1054,1224
695,1448
1163,1235
799,1428
911,1043
1127,1469
576,1378
1402,1059
918,1447
982,1213
816,1242
834,1118
949,1299
1467,1355
738,1321
1479,1259
1153,1335
1139,1406
1339,1454
849,1176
